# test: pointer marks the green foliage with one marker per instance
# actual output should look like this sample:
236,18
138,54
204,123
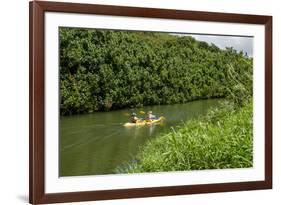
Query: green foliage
221,139
103,70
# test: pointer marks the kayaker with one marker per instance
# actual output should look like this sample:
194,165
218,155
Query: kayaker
150,116
134,118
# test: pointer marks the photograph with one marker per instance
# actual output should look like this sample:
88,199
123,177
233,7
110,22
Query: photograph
146,102
129,102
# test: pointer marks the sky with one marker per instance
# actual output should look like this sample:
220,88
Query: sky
244,44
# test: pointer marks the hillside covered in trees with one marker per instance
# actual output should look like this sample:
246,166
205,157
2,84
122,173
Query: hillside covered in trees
102,70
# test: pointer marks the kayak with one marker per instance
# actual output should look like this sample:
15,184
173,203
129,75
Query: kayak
144,122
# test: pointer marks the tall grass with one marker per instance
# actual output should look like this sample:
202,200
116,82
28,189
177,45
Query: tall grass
221,139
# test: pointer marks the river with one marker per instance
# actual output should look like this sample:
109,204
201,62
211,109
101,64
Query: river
98,143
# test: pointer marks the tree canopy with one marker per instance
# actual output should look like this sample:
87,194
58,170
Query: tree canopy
102,70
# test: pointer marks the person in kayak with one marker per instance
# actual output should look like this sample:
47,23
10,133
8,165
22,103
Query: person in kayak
134,118
150,116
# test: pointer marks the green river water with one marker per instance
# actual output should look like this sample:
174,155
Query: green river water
98,143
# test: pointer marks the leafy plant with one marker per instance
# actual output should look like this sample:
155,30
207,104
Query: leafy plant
102,70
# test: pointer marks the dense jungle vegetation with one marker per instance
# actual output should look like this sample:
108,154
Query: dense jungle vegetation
102,70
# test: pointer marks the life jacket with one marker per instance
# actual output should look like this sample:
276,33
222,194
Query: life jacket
134,119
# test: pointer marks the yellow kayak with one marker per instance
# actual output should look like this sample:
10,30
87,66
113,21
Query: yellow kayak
144,122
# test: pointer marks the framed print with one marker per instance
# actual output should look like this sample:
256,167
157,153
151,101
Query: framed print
138,102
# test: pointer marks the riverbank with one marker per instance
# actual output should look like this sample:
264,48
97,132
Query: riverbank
221,139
